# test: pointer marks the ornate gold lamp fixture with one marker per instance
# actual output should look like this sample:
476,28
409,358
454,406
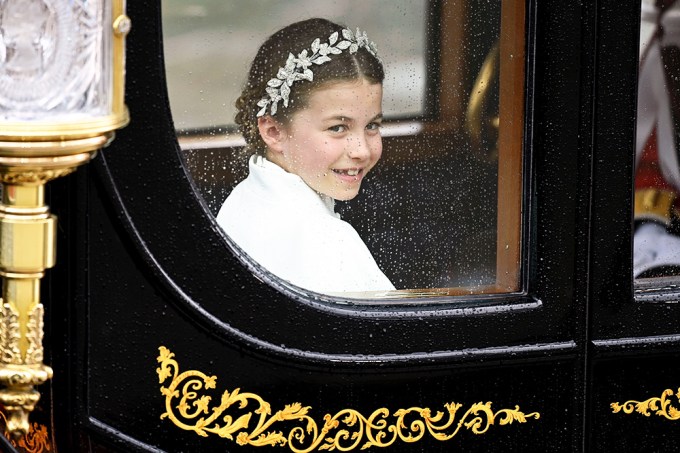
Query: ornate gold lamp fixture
61,98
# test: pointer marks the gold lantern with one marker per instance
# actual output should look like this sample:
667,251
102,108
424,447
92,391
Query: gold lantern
61,97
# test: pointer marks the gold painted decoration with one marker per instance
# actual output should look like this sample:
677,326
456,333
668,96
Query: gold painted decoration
346,430
661,406
37,439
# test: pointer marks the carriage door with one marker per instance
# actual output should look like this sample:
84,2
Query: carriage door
171,338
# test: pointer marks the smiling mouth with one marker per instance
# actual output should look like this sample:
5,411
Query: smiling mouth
352,172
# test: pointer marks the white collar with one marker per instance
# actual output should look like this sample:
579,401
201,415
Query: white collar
286,186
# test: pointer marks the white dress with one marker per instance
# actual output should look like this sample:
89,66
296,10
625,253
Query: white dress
293,232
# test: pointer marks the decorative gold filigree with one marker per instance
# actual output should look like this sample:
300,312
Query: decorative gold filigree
34,335
36,440
34,177
9,334
191,412
661,406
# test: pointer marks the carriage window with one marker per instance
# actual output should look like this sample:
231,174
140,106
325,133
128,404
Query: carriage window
657,172
441,211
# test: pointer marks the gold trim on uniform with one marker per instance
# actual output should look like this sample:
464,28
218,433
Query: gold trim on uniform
654,204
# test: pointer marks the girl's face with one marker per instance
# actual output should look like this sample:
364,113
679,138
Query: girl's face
334,142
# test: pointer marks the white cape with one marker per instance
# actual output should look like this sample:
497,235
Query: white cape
293,232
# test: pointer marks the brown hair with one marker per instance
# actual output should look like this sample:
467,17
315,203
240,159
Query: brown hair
273,54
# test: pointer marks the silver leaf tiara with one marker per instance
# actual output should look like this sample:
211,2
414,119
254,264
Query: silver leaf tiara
297,68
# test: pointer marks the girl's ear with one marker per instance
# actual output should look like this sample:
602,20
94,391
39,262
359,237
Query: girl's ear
272,133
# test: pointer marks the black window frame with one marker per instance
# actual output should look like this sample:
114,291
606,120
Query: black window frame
180,243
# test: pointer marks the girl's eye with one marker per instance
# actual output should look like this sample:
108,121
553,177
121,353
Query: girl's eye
338,128
373,127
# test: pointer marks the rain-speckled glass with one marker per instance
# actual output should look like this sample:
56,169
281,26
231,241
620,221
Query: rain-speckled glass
656,251
430,211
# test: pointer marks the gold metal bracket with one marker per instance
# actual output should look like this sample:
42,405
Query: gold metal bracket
27,248
32,153
476,124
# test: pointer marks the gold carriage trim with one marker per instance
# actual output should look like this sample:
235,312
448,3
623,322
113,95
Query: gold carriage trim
346,430
660,406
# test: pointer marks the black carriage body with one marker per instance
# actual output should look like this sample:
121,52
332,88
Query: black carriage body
147,287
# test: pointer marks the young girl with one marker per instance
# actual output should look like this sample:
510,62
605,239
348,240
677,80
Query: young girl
310,112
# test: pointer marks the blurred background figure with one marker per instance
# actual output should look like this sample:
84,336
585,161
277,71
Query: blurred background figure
657,179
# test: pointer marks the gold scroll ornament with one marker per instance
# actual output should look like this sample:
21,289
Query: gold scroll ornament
660,406
348,429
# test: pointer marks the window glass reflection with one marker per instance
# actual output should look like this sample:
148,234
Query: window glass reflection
657,177
210,43
441,211
310,113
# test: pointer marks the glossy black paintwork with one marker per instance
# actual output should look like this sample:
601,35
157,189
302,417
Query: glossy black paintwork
143,264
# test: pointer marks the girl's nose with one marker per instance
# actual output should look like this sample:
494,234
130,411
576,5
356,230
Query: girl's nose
358,148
